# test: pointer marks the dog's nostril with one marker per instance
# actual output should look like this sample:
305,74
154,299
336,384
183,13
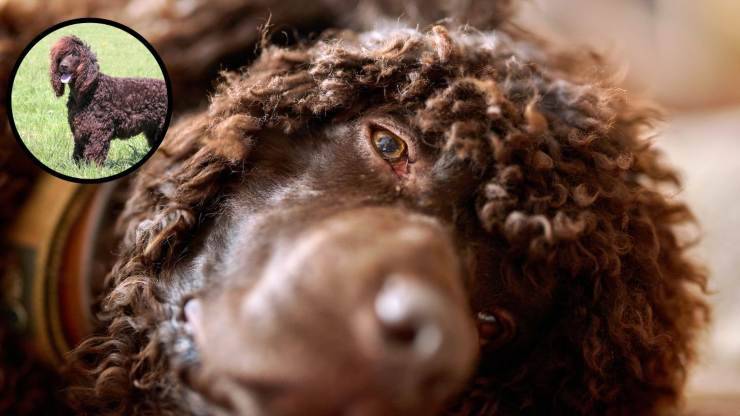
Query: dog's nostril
408,313
401,332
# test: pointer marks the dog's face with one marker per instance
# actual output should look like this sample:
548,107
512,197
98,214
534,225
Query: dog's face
363,225
73,64
340,276
68,66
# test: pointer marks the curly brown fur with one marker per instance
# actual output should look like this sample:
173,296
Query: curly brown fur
566,196
101,108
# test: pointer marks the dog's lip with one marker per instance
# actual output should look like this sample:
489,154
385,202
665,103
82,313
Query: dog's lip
65,78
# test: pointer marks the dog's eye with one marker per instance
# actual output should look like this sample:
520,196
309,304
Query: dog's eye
488,325
495,328
390,147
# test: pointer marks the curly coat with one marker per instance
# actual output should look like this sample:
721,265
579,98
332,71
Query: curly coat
101,108
566,191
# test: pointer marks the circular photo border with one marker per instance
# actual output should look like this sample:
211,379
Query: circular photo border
41,36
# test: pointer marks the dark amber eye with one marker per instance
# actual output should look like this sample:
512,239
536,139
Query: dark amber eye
488,326
495,328
390,146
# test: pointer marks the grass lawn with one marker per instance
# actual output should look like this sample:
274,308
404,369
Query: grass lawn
41,117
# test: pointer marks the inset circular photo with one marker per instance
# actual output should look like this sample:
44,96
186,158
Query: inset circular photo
90,100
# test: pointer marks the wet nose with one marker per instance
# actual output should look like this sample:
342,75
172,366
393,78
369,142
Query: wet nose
64,67
411,317
423,341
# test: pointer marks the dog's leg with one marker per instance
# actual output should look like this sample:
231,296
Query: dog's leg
81,138
96,148
77,152
152,136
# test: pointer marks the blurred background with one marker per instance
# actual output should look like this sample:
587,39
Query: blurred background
686,55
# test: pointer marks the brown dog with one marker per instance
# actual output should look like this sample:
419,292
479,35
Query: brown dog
101,108
323,238
399,221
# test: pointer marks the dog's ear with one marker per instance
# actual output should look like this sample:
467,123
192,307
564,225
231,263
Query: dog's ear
87,72
56,82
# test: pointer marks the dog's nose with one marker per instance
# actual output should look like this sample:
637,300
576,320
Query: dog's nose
411,318
416,338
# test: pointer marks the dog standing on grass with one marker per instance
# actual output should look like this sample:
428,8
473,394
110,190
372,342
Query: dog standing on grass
101,108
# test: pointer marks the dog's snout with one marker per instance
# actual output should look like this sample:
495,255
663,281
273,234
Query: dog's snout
66,65
376,296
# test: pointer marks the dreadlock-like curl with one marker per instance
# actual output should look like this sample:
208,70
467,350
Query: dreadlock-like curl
567,195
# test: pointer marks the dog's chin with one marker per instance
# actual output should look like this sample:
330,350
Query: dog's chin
65,78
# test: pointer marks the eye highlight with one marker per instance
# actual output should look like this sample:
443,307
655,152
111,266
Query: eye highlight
390,147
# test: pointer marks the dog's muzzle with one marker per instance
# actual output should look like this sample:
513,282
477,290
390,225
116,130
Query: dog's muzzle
363,313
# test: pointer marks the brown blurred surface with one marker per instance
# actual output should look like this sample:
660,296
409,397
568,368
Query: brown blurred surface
685,53
713,405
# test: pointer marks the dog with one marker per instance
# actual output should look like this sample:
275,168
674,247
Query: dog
395,222
101,108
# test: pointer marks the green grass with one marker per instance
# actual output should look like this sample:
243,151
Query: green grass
41,117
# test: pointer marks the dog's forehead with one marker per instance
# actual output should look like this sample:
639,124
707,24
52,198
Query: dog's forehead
442,84
461,92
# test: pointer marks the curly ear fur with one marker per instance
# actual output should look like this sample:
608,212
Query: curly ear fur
583,223
86,72
56,56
